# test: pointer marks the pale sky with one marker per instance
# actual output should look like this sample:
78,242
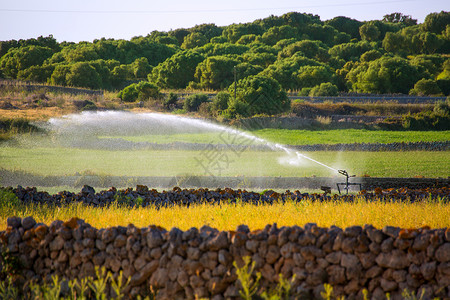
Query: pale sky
86,20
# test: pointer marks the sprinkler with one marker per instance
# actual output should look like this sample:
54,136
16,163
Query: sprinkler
346,183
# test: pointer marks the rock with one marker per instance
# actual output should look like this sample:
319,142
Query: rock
57,244
142,275
220,241
28,223
14,222
120,241
396,259
159,278
442,253
391,231
336,275
273,253
88,190
387,285
154,239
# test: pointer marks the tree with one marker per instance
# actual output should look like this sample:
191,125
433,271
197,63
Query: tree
311,49
370,55
278,33
177,71
141,68
19,59
310,76
235,31
285,70
347,25
384,75
426,87
193,40
400,18
369,32
36,73
258,95
350,51
436,22
83,74
215,72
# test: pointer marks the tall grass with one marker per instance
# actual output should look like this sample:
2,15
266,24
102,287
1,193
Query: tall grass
229,216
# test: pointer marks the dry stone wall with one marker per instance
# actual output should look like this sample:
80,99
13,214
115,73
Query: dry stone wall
199,262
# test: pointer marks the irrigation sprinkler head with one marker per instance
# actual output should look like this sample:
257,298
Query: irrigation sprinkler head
346,183
345,173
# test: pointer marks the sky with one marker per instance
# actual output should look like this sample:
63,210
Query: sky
86,20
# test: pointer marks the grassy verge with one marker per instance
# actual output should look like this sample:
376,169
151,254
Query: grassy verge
229,216
68,161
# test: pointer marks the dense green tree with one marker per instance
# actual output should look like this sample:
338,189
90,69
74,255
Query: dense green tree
370,55
426,87
347,25
179,34
177,71
235,31
285,70
207,30
259,59
215,72
141,68
36,73
59,74
83,74
351,51
258,95
384,75
277,33
193,40
311,49
369,32
436,22
310,76
120,74
19,59
248,39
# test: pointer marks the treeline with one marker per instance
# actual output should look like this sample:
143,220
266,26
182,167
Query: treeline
294,51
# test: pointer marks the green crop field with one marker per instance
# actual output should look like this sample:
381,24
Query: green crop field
300,137
308,137
69,161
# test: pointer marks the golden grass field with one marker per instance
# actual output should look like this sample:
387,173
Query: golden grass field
229,216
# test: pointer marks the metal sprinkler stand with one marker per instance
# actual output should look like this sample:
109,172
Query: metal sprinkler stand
346,183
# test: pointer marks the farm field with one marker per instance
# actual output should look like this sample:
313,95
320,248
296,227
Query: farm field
229,216
71,161
301,137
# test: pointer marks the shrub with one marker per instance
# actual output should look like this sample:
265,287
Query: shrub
171,100
425,87
220,101
143,90
193,102
324,89
259,95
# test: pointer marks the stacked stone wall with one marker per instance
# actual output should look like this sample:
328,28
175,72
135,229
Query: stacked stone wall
199,262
